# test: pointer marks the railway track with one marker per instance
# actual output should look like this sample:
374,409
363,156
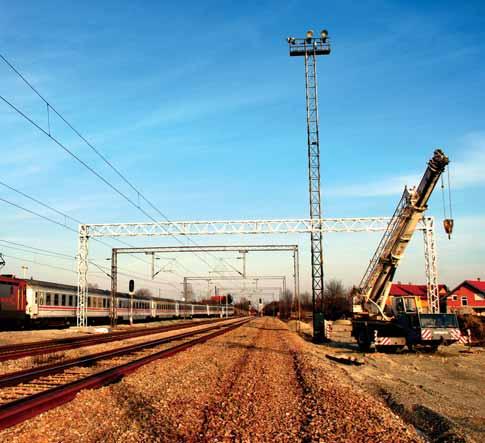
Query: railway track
27,393
13,352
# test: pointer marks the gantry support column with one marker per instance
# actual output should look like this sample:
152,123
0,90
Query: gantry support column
82,272
113,312
296,277
431,264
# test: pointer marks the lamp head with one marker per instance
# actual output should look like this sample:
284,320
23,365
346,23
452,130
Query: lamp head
324,35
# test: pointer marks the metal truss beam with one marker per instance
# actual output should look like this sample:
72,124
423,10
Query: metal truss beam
238,227
224,248
211,278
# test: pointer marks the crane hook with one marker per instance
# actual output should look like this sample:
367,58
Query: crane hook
448,222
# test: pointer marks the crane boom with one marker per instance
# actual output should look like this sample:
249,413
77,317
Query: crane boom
377,280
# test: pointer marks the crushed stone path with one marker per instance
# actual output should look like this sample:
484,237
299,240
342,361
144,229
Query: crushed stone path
258,383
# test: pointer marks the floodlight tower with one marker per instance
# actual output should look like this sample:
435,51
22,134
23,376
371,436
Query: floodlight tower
309,47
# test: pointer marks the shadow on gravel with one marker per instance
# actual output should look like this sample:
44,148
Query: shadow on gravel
142,417
436,427
264,328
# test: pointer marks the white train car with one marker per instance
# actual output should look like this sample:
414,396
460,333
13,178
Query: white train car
41,302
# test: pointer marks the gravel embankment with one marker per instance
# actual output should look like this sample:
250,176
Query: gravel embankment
9,366
258,383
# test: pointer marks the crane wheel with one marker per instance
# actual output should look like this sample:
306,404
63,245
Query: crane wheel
363,342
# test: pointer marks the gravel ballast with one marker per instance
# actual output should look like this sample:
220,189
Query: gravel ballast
258,383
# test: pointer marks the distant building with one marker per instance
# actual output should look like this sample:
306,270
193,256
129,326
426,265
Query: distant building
420,291
218,298
468,296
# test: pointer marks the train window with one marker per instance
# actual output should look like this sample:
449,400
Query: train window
56,299
70,301
36,298
63,300
89,302
48,299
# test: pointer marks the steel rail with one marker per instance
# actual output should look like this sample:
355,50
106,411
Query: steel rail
22,409
17,377
13,352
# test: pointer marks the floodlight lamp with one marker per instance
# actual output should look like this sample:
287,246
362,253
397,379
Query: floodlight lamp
324,35
309,34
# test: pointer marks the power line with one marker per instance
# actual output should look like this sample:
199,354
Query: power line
90,145
132,274
66,217
50,253
47,219
39,263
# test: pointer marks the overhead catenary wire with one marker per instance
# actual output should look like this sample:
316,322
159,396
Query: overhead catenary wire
52,221
66,217
50,253
92,147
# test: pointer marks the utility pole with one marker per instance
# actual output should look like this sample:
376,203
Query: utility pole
309,48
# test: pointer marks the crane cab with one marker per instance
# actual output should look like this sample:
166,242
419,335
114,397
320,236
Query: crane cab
400,305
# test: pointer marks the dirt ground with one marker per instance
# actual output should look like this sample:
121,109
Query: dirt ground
442,394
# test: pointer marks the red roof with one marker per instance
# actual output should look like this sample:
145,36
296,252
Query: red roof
398,289
218,298
477,285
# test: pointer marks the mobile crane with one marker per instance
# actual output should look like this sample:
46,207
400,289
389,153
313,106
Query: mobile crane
394,323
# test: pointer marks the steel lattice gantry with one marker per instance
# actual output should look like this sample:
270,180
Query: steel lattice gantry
194,249
239,227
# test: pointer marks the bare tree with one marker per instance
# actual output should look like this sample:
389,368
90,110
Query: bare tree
143,292
285,304
337,300
93,286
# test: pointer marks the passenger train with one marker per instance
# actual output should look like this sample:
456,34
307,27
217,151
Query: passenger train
35,302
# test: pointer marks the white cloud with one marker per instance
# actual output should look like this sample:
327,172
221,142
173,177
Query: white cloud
466,171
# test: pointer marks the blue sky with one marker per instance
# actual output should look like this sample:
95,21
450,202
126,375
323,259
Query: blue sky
201,107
